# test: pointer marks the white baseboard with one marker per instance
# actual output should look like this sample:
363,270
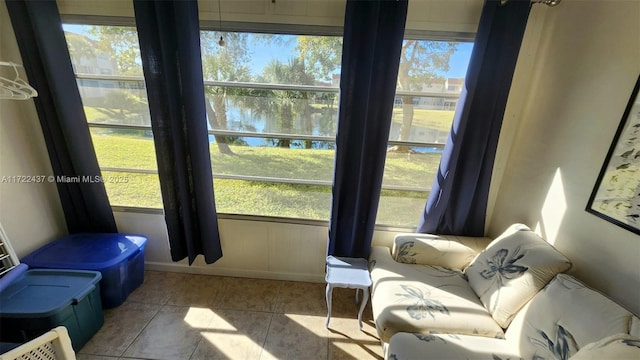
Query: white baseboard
244,273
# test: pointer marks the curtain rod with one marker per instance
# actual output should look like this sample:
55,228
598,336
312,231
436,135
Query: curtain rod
550,3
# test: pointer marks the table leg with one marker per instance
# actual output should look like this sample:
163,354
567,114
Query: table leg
365,298
328,294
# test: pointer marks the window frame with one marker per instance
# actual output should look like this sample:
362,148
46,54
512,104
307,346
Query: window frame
265,28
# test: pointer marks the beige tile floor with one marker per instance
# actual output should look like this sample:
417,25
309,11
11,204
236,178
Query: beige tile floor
177,316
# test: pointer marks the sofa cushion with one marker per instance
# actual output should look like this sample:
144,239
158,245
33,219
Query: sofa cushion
455,252
564,317
619,346
635,326
512,269
424,299
406,346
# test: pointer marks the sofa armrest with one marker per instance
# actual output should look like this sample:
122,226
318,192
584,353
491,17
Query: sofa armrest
382,265
380,255
454,252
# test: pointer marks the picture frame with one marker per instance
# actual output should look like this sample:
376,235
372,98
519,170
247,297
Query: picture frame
616,195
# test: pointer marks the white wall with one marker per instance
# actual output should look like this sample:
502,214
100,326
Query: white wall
435,15
587,62
256,249
30,213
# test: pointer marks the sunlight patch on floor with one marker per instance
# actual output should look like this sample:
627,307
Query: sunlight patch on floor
198,318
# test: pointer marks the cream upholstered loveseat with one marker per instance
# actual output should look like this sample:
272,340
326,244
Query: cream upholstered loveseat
439,297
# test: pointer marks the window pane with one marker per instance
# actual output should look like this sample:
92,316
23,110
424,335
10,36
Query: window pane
425,65
132,189
285,111
271,58
414,169
407,180
106,60
272,199
426,124
272,117
436,69
264,158
115,101
124,148
400,208
272,124
103,50
430,79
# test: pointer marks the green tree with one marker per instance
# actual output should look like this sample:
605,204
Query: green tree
79,47
121,43
99,48
321,55
421,63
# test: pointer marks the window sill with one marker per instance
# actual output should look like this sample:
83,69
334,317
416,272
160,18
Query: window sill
273,219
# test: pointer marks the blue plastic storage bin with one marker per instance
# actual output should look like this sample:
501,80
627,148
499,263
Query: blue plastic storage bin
119,257
38,300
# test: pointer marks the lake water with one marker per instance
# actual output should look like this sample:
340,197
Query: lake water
322,124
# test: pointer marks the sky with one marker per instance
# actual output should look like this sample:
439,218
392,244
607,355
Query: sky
263,54
459,61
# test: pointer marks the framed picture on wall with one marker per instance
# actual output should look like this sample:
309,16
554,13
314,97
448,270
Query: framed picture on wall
616,196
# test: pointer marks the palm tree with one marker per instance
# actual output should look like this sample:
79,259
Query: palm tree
285,103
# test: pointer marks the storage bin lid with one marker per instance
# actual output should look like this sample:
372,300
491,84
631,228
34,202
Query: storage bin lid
86,251
43,292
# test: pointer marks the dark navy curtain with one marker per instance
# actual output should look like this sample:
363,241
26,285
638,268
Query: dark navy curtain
373,33
46,60
457,203
169,37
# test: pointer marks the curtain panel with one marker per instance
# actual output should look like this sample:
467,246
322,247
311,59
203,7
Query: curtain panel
169,37
457,203
372,43
47,62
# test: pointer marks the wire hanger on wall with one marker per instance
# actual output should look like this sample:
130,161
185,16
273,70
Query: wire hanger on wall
16,89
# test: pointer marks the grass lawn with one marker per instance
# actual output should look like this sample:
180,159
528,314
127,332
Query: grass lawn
402,208
105,115
432,119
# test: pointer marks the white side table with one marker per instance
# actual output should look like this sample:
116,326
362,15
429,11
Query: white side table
351,273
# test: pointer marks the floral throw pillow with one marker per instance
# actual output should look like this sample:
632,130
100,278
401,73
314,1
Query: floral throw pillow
512,269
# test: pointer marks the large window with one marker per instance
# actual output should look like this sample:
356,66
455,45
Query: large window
271,102
272,111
